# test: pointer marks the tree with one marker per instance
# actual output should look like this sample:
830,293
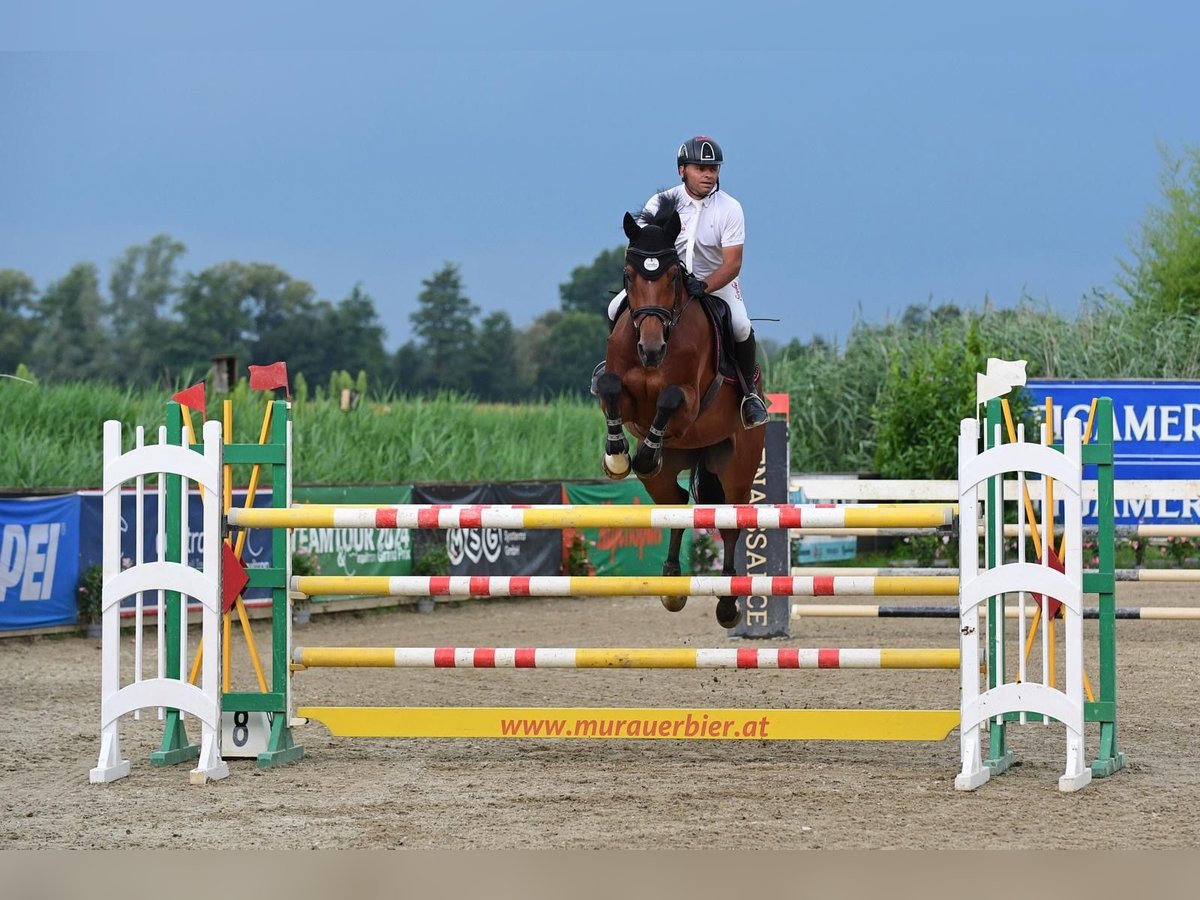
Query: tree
350,337
591,287
140,288
1164,276
922,400
284,316
492,363
444,330
18,296
569,346
406,366
213,317
254,311
71,345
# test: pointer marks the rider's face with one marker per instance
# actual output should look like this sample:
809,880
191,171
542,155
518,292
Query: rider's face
699,180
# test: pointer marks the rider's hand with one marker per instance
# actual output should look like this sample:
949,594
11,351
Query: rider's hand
695,287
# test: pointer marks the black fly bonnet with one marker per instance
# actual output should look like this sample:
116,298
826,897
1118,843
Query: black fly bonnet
652,245
652,254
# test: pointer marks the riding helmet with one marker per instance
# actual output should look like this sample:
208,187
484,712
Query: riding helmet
701,150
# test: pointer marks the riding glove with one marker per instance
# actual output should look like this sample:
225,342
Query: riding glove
695,287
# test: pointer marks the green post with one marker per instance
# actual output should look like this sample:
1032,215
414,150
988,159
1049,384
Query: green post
281,748
1098,452
175,747
1109,758
999,757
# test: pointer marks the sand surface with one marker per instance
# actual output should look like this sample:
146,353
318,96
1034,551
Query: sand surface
387,793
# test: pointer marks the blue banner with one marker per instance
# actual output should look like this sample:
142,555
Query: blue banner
256,554
39,561
1156,436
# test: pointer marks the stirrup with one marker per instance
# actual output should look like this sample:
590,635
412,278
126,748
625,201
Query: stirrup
753,412
596,373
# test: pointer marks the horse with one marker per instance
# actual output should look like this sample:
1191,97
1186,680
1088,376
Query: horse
662,383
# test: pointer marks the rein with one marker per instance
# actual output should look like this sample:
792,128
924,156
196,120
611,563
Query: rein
669,316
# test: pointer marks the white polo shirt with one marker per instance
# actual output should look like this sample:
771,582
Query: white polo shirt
717,222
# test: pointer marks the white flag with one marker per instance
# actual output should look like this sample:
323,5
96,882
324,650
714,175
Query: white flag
1011,371
988,387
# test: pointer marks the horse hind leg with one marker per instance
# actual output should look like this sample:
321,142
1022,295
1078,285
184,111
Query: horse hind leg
664,488
616,448
671,568
734,467
648,461
728,614
709,489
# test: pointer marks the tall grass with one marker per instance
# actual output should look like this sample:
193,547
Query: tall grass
51,434
835,391
52,437
447,438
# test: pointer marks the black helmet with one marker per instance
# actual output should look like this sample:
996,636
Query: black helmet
701,150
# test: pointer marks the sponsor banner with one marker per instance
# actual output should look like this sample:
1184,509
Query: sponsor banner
814,549
355,551
340,551
766,551
39,561
1156,437
625,551
494,551
257,553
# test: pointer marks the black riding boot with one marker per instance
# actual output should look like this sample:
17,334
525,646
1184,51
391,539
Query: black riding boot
599,370
596,373
754,411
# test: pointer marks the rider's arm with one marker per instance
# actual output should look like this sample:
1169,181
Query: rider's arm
731,265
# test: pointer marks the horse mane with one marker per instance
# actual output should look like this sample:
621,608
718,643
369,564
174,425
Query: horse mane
668,203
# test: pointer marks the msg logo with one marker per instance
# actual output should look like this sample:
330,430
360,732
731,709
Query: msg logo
29,559
473,544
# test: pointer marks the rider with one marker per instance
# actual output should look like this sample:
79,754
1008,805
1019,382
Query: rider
710,248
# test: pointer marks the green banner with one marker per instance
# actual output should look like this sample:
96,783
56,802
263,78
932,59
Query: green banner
355,551
624,551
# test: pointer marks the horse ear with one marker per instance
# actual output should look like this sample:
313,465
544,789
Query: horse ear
674,226
632,229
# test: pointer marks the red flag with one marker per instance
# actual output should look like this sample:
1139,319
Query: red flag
236,578
266,378
192,398
1052,605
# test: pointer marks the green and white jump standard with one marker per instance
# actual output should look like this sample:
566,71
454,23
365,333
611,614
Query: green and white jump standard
988,584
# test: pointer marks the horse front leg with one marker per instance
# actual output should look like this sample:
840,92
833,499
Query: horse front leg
648,460
616,448
727,607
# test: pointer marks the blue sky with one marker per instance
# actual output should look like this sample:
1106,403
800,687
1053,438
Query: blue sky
886,154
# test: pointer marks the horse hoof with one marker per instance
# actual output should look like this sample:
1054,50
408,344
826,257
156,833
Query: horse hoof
651,472
616,467
727,612
674,604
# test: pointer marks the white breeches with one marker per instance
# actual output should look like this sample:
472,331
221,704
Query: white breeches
732,296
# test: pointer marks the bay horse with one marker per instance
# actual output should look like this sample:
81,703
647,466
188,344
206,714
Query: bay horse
661,382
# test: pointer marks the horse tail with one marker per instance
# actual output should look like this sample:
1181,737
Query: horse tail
705,486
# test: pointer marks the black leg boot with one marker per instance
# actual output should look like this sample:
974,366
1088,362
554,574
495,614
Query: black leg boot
599,370
754,411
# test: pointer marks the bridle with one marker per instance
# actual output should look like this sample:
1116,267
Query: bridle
662,260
